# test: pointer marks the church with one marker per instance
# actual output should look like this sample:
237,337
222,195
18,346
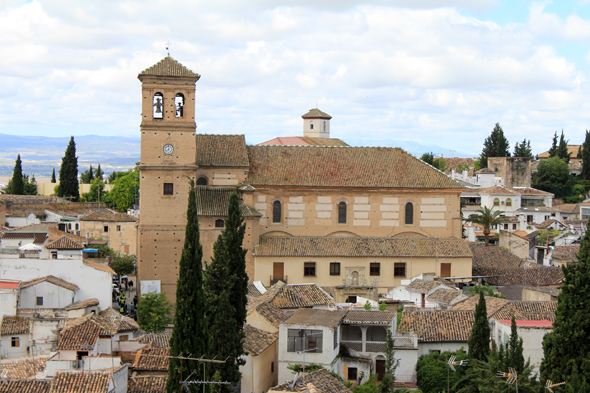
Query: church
354,220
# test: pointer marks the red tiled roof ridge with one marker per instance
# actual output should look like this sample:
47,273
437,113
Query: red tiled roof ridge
52,279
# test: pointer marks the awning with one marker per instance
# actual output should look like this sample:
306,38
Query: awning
90,249
30,247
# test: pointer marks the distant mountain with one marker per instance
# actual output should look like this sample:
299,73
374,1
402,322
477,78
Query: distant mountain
41,154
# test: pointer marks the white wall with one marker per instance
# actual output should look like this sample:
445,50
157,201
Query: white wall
10,352
532,341
93,283
7,302
53,296
425,348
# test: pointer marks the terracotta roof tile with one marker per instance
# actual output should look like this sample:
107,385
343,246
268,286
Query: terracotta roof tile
571,208
424,286
25,386
253,291
77,381
64,243
53,280
530,191
315,113
342,166
369,317
14,325
214,201
121,322
24,368
55,234
221,150
271,313
314,317
169,67
151,358
494,256
161,340
80,304
493,304
504,309
312,292
319,246
79,337
147,384
537,275
438,326
97,266
257,341
107,216
495,190
445,296
567,253
321,380
314,141
37,238
290,299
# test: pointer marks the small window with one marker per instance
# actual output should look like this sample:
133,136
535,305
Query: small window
272,367
334,268
324,126
311,126
342,213
309,269
496,202
179,103
276,211
399,269
409,213
15,342
219,223
124,337
118,228
505,226
202,181
158,105
513,226
53,254
375,269
508,202
39,300
352,373
105,228
168,188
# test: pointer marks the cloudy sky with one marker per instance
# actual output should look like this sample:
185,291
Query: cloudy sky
391,73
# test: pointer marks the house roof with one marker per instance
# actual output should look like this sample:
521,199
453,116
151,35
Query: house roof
221,150
110,322
320,246
12,325
493,256
493,304
572,208
454,162
253,291
9,284
342,166
38,238
151,358
24,368
496,190
303,141
444,295
257,340
270,312
572,149
315,113
97,266
533,209
55,234
314,317
65,243
567,253
108,216
147,384
548,289
424,286
79,337
53,280
25,386
78,381
545,224
80,304
438,326
285,296
169,67
369,317
530,191
161,340
214,201
312,292
504,309
121,322
320,380
32,228
528,324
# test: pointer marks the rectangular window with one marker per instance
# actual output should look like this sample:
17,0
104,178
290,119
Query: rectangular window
299,340
15,342
399,269
375,269
513,226
124,337
272,367
445,270
118,228
106,228
334,268
168,188
309,269
352,373
39,300
505,226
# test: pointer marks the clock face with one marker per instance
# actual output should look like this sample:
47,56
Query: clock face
168,149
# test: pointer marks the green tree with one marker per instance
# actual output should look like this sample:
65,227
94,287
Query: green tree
562,150
97,192
523,149
367,306
30,186
388,383
553,175
440,164
16,185
226,287
123,264
382,306
431,371
53,180
87,176
189,335
586,157
124,191
428,158
68,173
487,219
486,289
153,312
567,347
479,340
514,355
553,150
99,173
579,155
496,145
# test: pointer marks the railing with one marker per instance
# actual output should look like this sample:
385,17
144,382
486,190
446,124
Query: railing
410,378
374,346
284,279
353,345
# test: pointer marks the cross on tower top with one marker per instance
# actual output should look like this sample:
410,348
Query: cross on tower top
168,47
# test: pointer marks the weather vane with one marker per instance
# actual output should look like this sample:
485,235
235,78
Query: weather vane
168,47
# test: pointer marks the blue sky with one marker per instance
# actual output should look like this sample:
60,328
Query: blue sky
391,73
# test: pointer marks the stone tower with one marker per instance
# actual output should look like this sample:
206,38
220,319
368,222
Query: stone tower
316,124
168,159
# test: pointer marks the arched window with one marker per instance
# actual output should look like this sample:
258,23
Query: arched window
311,126
179,104
342,213
276,211
158,105
202,181
508,202
219,223
409,213
496,202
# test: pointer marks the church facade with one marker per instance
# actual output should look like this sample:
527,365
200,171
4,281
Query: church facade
354,220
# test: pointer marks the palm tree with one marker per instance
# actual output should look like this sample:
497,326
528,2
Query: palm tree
487,219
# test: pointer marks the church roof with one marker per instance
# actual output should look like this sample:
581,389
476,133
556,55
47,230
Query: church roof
169,67
221,150
315,113
213,201
303,141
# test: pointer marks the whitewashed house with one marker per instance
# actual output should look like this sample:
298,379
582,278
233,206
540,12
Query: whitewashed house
47,292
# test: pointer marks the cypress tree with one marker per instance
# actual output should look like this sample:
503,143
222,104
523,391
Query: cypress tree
226,286
53,180
553,150
514,355
98,174
496,145
562,150
68,173
586,157
566,349
17,186
189,335
479,340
